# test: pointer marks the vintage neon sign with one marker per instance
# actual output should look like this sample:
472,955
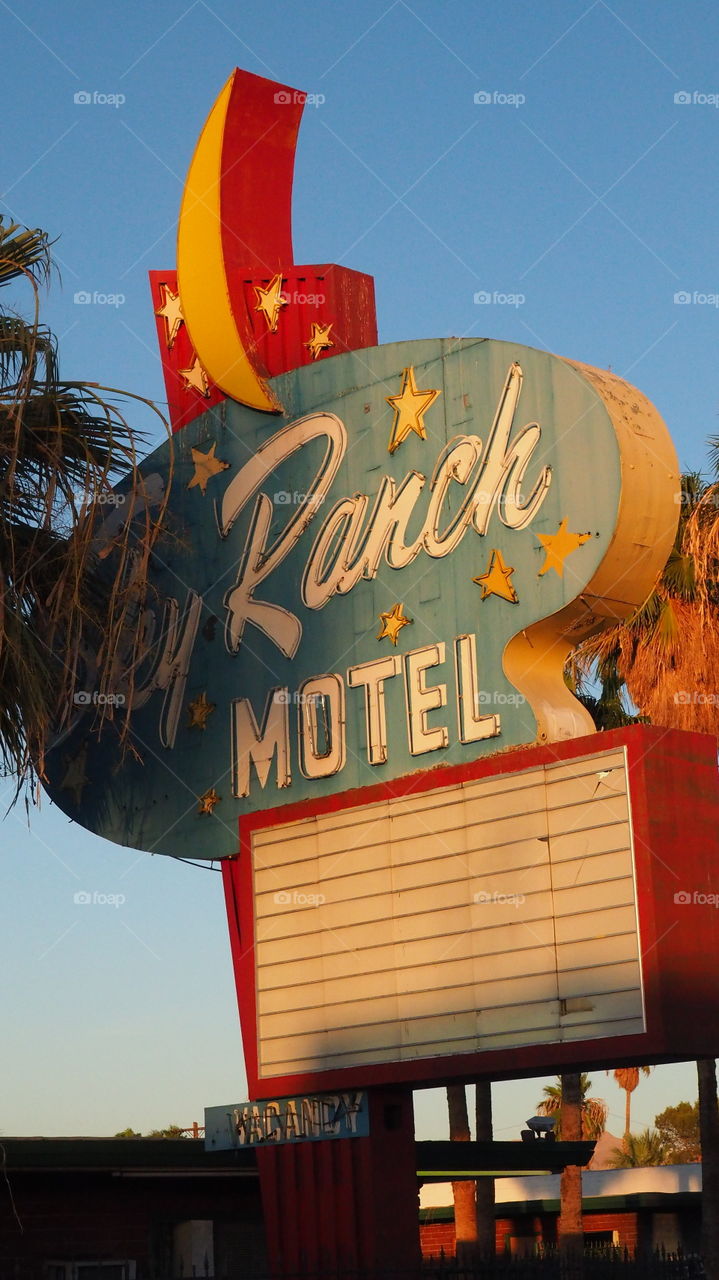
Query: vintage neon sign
375,561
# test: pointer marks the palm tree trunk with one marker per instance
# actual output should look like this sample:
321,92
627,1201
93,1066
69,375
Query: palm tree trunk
464,1192
571,1238
486,1236
709,1130
627,1112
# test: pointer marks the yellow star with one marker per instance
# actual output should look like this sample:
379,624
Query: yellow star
391,623
171,311
200,708
75,777
558,546
196,377
496,581
409,407
320,339
207,802
270,300
206,466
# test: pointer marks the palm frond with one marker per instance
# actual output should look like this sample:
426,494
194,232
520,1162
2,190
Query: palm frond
63,595
23,252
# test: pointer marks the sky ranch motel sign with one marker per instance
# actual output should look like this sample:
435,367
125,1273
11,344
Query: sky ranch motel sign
375,562
385,577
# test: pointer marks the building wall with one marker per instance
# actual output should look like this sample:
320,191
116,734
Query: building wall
73,1217
521,1232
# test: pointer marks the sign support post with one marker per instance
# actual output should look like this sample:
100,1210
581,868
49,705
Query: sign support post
352,1203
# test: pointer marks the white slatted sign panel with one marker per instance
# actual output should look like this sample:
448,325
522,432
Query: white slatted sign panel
489,915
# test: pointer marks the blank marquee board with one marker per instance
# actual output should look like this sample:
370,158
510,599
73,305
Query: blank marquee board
474,914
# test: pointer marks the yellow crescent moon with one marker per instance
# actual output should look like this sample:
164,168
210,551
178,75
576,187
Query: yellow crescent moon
201,276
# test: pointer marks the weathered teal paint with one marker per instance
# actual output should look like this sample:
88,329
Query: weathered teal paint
152,805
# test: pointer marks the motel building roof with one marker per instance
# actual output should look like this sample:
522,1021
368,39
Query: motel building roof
146,1157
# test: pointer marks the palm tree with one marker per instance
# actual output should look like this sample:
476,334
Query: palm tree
62,593
665,653
577,1116
485,1190
667,650
572,1090
628,1078
639,1151
464,1191
593,1110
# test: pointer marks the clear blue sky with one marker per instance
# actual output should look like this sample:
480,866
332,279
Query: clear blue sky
594,198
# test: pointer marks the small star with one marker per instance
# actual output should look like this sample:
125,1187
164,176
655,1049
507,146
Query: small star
200,708
206,466
171,311
391,623
558,546
409,407
196,377
207,802
320,340
270,300
76,779
496,581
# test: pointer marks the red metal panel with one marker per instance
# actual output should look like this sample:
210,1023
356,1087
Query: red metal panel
348,1204
325,294
258,160
674,792
184,402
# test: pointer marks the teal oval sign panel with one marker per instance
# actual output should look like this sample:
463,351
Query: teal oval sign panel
387,577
